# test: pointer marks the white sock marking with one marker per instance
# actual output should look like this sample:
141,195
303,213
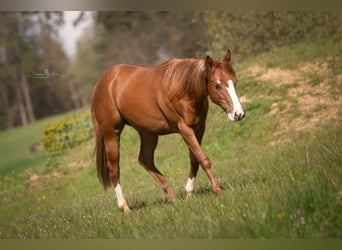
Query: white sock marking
190,184
119,196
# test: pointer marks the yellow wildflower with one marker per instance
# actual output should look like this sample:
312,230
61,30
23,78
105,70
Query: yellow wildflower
280,215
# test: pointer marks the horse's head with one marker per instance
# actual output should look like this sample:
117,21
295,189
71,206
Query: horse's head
221,85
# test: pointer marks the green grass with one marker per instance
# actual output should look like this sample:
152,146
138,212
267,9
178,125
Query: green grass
15,149
290,56
290,190
15,153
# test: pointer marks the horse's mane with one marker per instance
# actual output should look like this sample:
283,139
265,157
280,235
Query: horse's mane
185,77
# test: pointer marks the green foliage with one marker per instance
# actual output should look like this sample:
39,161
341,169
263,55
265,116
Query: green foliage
254,32
67,133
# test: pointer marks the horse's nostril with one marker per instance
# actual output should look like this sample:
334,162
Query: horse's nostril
239,116
242,115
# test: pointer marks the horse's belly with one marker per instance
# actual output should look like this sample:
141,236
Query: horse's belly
149,122
145,116
136,97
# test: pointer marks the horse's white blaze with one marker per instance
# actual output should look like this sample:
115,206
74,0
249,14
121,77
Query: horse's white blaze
237,108
119,196
190,184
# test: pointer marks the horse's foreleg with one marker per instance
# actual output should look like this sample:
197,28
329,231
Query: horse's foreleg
194,146
112,151
146,159
190,185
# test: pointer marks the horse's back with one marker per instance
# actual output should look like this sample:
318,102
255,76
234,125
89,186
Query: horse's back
113,80
135,92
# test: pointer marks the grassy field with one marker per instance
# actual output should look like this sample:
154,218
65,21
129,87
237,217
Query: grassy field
280,168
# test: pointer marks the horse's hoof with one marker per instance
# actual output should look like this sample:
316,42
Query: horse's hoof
170,199
218,191
188,195
171,195
126,209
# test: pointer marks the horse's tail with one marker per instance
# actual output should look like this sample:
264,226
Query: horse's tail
100,153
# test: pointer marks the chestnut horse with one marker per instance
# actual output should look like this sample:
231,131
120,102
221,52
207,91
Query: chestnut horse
168,98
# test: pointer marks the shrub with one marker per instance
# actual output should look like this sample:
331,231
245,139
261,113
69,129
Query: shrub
67,133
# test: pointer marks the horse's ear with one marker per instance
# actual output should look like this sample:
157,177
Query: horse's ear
227,57
209,62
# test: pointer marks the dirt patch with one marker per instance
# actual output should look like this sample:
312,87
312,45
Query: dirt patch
35,181
78,164
279,76
276,76
309,104
34,177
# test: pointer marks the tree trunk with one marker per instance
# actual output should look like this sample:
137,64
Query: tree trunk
74,95
27,97
8,112
21,108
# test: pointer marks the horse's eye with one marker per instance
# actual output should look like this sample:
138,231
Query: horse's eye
218,86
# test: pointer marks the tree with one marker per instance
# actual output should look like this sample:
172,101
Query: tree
87,66
21,52
15,47
150,37
253,32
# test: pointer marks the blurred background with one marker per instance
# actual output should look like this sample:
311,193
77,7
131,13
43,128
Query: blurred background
50,61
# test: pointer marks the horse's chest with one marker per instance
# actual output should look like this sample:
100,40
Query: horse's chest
193,114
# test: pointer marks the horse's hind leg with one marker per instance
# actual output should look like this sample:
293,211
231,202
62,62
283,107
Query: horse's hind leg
146,159
112,145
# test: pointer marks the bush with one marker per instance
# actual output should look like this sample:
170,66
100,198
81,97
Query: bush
67,133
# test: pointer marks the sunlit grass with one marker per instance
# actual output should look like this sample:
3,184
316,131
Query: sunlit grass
285,191
288,190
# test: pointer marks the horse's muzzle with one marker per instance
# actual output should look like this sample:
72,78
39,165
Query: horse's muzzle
236,115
